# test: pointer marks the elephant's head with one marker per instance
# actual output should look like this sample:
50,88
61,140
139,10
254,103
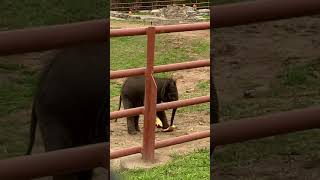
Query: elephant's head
169,92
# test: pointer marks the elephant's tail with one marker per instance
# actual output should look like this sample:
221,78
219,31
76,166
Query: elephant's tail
120,99
33,126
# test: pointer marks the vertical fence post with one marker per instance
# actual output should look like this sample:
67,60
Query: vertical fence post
150,99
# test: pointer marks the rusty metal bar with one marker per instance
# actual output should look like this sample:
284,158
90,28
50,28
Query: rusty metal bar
51,37
150,100
158,69
160,107
55,162
261,10
161,144
264,126
125,152
183,139
160,29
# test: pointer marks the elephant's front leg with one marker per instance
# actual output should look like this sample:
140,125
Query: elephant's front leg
131,125
162,116
136,123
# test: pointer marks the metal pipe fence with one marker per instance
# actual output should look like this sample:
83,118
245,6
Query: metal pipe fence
162,144
150,107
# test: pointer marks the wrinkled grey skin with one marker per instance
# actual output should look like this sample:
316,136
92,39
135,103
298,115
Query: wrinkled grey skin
132,94
70,104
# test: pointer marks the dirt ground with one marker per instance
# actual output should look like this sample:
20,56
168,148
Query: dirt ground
185,123
250,58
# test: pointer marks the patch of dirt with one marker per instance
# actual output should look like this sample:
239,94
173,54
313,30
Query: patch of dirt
250,58
201,34
188,79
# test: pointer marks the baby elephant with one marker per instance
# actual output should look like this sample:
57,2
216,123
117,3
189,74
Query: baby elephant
132,94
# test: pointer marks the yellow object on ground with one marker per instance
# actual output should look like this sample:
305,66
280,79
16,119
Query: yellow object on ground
158,122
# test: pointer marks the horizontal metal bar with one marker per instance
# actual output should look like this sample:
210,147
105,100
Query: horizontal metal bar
160,68
161,144
52,37
259,127
160,107
160,29
183,139
55,162
262,10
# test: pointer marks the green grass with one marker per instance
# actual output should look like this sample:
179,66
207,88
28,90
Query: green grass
193,166
26,13
13,135
16,92
301,76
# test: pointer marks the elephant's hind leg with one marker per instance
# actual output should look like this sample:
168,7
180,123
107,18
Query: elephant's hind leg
56,136
127,104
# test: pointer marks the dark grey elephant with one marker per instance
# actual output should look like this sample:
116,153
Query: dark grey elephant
132,94
70,104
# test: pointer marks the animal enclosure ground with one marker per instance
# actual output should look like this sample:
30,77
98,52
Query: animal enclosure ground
130,52
261,69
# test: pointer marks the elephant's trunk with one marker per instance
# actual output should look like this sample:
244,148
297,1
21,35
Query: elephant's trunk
172,116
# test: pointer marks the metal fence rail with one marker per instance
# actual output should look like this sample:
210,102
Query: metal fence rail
160,29
161,144
55,162
160,107
262,10
51,37
264,126
158,69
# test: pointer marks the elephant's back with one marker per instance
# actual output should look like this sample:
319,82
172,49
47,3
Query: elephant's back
134,86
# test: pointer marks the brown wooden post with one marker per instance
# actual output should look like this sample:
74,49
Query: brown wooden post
150,101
